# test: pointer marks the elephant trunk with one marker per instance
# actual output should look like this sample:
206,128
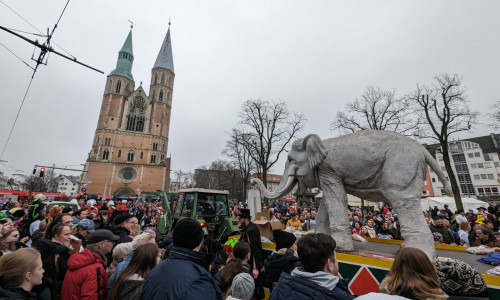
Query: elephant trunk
285,187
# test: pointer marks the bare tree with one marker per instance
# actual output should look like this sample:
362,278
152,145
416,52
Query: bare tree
445,111
35,184
185,179
377,109
220,175
495,115
267,128
236,150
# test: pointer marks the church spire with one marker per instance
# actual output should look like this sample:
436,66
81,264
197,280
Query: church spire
165,59
125,59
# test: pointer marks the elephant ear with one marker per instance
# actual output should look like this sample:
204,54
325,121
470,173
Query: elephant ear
315,150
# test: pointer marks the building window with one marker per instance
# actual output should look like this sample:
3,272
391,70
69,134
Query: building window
480,166
130,156
477,177
105,154
160,97
155,146
163,78
142,155
118,86
95,151
163,147
477,154
433,179
490,176
162,157
154,94
137,115
487,165
470,155
107,141
440,158
153,159
497,164
119,153
170,81
110,84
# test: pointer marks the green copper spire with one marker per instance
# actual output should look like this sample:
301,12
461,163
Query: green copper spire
125,59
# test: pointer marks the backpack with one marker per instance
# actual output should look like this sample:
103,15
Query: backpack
24,227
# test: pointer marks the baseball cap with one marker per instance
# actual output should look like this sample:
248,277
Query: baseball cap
102,235
87,225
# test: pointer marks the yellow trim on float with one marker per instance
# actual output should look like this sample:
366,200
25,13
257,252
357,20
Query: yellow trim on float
362,260
399,242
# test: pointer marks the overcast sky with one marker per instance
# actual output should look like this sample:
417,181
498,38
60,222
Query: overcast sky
314,55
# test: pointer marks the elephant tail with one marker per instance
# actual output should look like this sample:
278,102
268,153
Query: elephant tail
429,159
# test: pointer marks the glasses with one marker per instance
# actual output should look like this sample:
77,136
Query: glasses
15,236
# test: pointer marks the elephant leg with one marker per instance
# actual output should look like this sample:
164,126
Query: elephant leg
335,202
322,219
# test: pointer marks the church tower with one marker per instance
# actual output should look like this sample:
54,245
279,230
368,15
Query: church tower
129,150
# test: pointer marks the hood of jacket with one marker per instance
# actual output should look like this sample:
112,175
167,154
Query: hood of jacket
321,278
16,294
281,258
187,254
120,231
83,259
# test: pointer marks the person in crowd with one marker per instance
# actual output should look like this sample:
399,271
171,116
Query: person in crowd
86,277
20,272
364,232
52,282
449,213
310,222
36,215
250,233
460,217
235,265
222,256
472,233
131,281
413,276
285,259
6,224
356,227
67,220
124,224
319,276
102,220
383,231
372,230
61,235
120,252
458,279
393,228
437,226
492,208
83,229
294,222
485,237
144,238
242,287
190,280
463,233
8,241
79,215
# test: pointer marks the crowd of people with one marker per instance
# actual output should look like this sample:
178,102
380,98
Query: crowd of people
113,252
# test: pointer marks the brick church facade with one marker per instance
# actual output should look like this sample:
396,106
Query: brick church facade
129,150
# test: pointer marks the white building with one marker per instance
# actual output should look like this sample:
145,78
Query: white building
476,165
67,184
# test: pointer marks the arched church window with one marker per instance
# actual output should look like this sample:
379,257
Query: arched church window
163,78
119,153
118,86
153,159
142,155
154,94
156,78
105,154
160,97
130,156
136,116
170,81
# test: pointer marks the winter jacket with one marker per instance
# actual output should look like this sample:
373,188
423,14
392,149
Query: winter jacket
17,293
119,269
86,277
305,285
181,276
132,288
447,237
285,260
124,235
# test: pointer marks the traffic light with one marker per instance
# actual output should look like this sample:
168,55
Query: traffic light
34,171
42,170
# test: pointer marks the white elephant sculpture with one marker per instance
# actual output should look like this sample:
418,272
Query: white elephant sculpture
375,165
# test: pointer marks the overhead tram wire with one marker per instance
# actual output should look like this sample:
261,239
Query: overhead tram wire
17,56
41,33
44,48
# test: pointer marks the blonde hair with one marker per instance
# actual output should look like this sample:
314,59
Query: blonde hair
15,265
464,226
142,239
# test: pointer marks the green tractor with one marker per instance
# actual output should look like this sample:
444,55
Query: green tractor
209,207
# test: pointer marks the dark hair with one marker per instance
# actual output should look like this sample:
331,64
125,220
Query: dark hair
79,212
142,262
314,250
57,220
485,230
487,221
58,228
241,249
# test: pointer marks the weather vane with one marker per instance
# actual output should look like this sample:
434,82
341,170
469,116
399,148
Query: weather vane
169,21
131,24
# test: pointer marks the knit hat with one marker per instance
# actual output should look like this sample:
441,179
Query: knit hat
243,286
187,233
122,217
283,239
458,278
